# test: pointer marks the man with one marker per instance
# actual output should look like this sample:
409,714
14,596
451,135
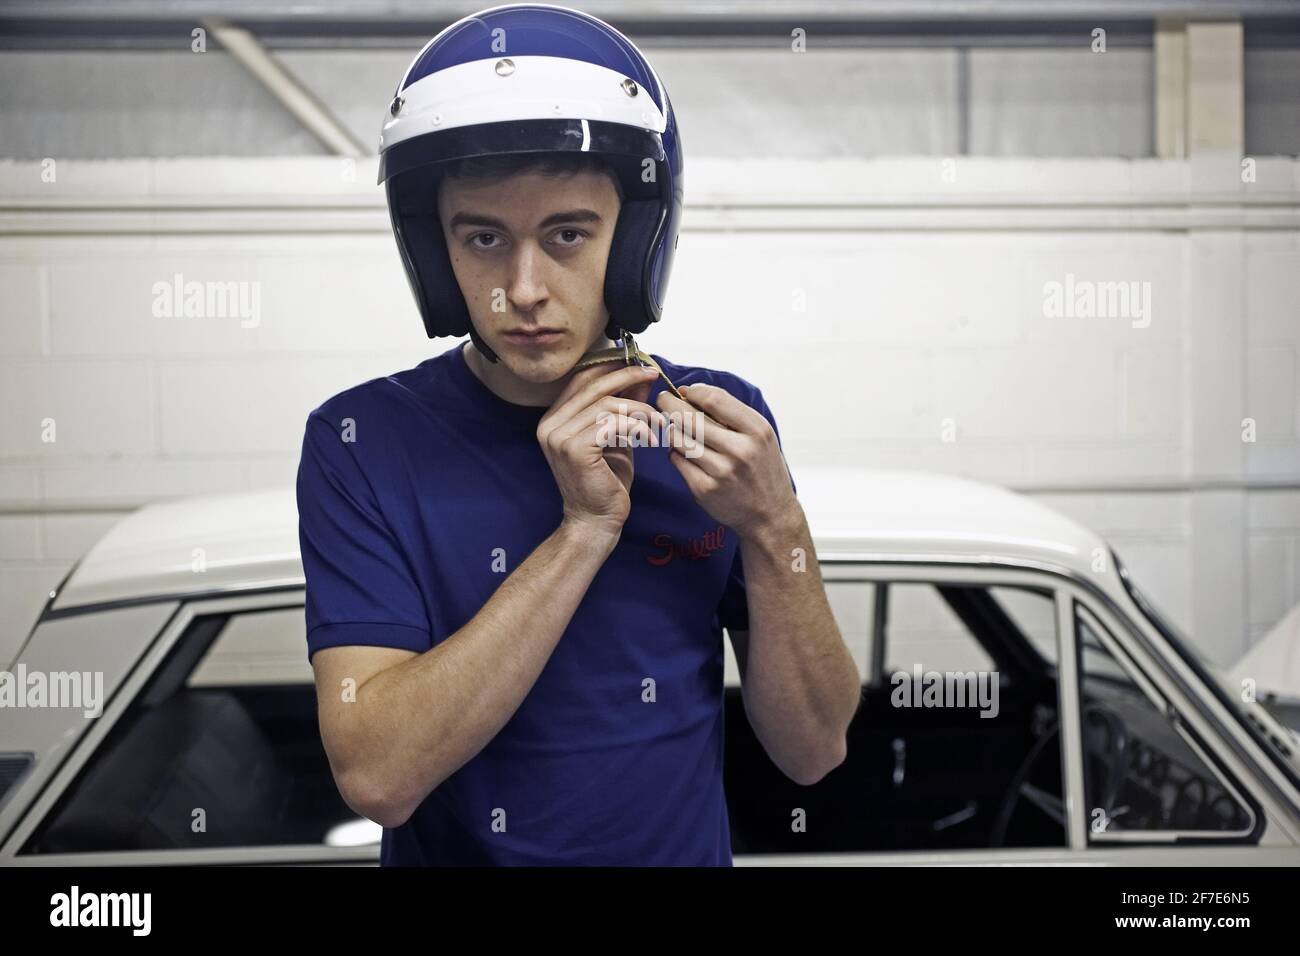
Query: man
515,623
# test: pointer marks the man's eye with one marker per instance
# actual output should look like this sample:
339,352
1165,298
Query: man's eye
572,232
482,235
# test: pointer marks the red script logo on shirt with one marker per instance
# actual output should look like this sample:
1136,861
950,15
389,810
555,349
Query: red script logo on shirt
694,549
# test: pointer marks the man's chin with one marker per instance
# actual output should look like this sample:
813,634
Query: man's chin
541,365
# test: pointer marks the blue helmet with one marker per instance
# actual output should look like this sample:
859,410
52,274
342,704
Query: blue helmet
528,78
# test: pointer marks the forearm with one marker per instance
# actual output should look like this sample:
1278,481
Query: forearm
801,685
421,720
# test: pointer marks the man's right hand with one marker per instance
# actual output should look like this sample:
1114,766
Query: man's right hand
596,406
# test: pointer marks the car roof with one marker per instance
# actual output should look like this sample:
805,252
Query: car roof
186,546
249,540
917,513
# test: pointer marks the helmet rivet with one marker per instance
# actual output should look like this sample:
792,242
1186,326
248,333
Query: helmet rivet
436,120
395,107
505,67
629,87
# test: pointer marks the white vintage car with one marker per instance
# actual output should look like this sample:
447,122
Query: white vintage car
1022,702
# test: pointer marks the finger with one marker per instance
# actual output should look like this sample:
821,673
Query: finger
622,433
598,439
697,480
577,380
694,427
710,461
593,383
596,373
610,412
725,408
639,392
636,435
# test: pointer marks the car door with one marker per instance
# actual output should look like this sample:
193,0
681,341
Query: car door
1027,784
959,685
94,652
210,754
1161,778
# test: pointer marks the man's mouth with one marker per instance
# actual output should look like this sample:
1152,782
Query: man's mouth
533,337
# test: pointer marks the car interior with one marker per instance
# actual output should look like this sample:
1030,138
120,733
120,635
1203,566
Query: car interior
915,778
1140,774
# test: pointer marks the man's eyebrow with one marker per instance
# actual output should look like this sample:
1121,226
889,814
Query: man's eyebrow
555,219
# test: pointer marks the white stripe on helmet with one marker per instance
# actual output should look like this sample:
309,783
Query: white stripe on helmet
539,87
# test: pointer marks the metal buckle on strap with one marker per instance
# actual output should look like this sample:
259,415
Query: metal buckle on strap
645,361
632,355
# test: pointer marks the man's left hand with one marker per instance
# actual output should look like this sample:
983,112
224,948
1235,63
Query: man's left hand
729,456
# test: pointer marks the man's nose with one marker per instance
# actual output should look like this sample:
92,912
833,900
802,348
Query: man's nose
528,268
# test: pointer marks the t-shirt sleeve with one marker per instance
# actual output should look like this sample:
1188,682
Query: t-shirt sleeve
733,611
360,586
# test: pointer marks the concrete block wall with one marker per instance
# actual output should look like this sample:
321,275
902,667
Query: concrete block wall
892,311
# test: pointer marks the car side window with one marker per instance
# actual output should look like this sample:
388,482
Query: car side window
925,631
220,749
1035,616
954,744
853,604
1141,774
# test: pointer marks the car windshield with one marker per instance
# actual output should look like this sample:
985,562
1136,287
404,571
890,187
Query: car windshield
1281,742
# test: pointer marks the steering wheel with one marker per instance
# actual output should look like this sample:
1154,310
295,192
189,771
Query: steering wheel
1113,755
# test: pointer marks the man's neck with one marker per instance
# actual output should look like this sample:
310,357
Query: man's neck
507,385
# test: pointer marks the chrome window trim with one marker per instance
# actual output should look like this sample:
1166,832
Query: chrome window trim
283,585
1067,696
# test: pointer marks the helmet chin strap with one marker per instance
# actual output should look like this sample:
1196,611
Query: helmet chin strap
629,353
482,346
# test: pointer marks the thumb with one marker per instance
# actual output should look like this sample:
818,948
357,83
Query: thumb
639,392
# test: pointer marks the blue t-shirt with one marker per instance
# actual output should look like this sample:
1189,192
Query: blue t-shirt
418,494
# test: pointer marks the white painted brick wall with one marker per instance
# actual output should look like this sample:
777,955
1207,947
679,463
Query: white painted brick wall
96,408
1273,518
922,301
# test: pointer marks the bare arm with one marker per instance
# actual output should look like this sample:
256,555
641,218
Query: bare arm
799,681
410,725
411,720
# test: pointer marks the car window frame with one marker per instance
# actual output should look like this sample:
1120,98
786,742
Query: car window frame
39,811
1165,707
874,571
1068,586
